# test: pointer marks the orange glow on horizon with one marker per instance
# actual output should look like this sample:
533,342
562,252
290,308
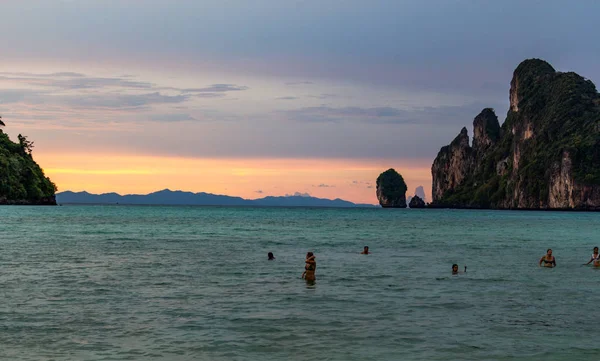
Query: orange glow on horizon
352,180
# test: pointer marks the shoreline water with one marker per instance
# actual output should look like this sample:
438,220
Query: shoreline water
428,206
168,283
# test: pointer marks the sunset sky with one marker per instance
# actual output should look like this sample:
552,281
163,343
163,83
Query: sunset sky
267,97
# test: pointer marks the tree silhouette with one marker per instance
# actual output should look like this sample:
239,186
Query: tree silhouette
1,122
26,145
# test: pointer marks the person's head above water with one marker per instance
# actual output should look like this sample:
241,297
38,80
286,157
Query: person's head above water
549,252
271,257
365,250
309,254
595,249
455,268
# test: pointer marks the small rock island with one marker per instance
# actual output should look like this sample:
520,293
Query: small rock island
416,202
22,181
391,189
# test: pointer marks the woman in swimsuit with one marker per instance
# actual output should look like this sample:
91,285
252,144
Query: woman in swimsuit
595,258
548,260
310,267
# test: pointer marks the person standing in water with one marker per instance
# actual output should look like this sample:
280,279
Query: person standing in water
310,267
548,260
271,257
365,250
595,258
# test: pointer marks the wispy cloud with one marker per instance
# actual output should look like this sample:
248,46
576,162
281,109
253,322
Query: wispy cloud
323,96
10,96
209,95
120,101
323,185
330,114
79,92
80,81
389,115
299,83
287,98
216,88
52,75
298,194
176,117
362,184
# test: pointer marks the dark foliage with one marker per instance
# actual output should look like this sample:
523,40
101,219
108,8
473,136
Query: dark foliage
20,177
392,184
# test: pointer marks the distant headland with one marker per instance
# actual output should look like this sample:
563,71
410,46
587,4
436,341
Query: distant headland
169,197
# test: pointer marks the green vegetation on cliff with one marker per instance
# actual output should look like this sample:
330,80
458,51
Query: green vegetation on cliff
549,142
21,179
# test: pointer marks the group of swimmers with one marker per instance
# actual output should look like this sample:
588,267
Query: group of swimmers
548,260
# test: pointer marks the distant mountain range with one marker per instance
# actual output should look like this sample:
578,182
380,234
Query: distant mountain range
169,197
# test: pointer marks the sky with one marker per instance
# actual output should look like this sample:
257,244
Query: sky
267,97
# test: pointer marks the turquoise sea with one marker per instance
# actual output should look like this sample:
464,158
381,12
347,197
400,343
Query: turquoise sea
194,283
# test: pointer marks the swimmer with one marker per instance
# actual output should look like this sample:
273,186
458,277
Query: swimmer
455,269
548,260
595,258
365,250
310,267
271,257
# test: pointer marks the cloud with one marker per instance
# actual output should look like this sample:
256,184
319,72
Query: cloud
46,101
53,75
216,88
298,194
286,98
120,101
323,185
209,95
77,81
389,115
10,96
299,83
76,90
177,117
97,83
330,114
323,96
259,191
364,184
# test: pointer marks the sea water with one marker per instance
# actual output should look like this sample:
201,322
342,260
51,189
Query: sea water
194,283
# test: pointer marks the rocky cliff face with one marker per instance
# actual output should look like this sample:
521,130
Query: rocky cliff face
546,155
452,166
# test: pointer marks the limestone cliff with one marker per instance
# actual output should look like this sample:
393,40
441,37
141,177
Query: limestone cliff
546,154
22,181
391,189
452,166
